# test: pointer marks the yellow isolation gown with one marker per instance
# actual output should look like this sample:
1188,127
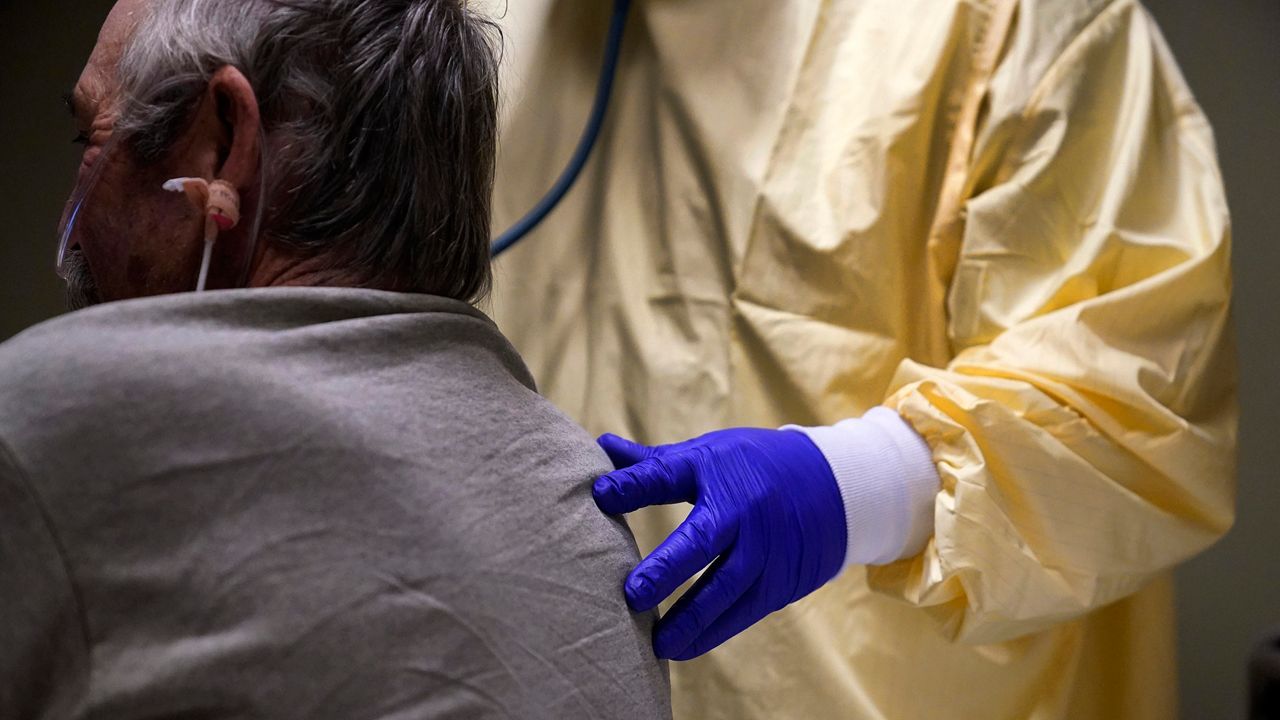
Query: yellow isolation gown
1003,219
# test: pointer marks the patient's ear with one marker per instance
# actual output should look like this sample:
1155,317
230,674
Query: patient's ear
222,139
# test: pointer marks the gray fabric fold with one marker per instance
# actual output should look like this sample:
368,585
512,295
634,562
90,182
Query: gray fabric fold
303,503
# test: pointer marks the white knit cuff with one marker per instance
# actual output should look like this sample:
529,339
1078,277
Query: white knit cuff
887,481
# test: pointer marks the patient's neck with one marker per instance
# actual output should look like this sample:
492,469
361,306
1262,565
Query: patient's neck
280,268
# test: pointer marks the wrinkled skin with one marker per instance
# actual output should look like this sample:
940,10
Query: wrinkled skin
132,238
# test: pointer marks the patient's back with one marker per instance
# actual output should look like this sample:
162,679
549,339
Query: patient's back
303,504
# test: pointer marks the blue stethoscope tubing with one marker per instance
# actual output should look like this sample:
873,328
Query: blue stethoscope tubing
604,92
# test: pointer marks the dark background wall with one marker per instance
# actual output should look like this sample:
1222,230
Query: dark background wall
1230,51
43,45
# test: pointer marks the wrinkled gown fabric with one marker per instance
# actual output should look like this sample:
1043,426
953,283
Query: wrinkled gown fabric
1003,219
303,503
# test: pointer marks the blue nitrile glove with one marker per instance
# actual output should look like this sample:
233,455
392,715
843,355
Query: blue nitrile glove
767,518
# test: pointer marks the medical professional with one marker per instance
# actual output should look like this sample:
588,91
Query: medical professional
922,306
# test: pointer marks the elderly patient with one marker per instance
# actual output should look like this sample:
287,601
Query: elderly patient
332,492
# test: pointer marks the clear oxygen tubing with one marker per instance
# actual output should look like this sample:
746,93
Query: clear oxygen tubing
80,195
604,92
71,213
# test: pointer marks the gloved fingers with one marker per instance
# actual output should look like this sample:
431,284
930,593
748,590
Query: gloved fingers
747,611
623,452
655,481
719,588
693,546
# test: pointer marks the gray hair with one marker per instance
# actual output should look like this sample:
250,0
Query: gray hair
380,121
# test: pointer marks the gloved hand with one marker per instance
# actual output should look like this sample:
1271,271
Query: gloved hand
767,517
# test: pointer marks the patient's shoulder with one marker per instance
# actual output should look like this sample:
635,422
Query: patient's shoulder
101,374
87,356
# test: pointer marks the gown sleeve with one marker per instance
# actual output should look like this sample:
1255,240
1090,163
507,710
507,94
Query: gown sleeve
1085,430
